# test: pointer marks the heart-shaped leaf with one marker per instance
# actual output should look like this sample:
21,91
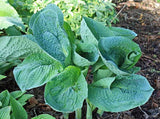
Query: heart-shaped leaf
48,30
66,92
120,94
36,70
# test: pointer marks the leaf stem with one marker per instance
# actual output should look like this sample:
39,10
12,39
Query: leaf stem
66,115
78,113
89,112
100,112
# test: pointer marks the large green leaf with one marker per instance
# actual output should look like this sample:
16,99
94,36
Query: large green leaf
18,112
5,112
43,116
9,16
67,92
4,98
91,31
36,70
120,94
47,29
118,53
13,48
85,54
17,47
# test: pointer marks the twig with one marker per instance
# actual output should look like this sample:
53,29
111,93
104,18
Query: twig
118,13
118,115
146,115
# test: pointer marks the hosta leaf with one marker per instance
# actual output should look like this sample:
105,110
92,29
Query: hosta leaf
43,116
0,103
18,111
69,32
4,98
102,73
2,77
85,54
36,70
50,36
13,48
124,93
66,92
17,47
9,16
91,31
5,112
119,53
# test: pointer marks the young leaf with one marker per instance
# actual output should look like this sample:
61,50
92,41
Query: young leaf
4,98
121,94
102,73
119,52
66,92
43,116
91,31
36,70
16,94
50,36
22,100
2,77
9,16
18,111
69,32
85,54
5,112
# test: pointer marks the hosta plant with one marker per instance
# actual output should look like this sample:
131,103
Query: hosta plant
62,63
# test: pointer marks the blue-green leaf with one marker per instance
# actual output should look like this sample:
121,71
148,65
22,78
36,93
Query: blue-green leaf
85,54
17,47
66,92
91,31
49,34
121,94
118,53
36,70
5,112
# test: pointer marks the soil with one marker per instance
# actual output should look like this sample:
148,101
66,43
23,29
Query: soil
144,19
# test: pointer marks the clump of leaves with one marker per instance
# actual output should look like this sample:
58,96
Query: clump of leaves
11,105
62,63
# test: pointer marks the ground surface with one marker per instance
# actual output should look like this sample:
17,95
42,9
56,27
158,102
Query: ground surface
144,19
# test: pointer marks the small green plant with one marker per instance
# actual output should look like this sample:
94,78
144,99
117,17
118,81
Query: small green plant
62,63
11,105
